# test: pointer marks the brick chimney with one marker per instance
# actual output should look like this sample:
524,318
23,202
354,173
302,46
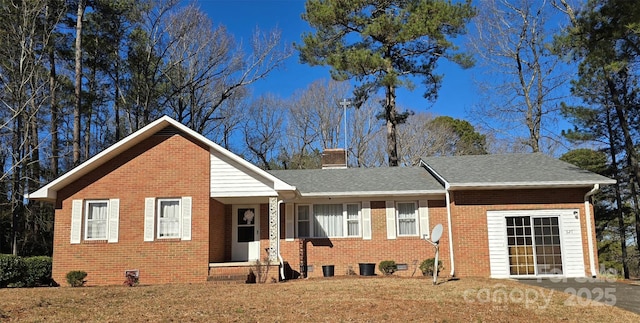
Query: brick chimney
334,158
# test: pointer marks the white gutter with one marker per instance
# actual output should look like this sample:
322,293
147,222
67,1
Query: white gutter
587,213
447,189
448,201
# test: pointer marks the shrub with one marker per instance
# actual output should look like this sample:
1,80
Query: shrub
427,267
11,271
388,267
76,278
38,271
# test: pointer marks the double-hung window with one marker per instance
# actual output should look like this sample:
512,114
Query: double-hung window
169,218
353,220
329,220
407,218
304,221
96,219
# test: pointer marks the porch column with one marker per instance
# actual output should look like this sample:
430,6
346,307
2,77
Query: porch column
273,228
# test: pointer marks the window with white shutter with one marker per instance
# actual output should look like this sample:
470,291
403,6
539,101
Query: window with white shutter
169,214
407,217
167,218
95,220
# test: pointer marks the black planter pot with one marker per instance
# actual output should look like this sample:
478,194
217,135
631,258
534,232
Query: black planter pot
367,269
328,270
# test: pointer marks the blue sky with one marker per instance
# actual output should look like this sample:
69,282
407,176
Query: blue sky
241,17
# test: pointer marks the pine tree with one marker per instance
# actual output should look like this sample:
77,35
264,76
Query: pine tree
381,44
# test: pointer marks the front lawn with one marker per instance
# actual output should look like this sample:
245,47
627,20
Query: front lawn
349,299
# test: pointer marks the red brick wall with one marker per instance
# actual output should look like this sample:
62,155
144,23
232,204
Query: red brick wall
264,231
347,253
159,166
469,217
469,226
217,232
228,227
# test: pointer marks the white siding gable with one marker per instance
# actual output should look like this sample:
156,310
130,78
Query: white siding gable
229,179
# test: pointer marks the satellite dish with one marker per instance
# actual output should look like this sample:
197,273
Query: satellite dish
436,233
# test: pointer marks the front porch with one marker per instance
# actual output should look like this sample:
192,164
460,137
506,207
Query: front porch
243,240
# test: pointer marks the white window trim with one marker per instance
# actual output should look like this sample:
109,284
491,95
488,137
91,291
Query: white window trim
345,228
85,219
346,220
309,220
159,209
416,217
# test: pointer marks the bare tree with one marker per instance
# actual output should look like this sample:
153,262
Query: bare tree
315,119
524,88
78,82
367,136
189,68
23,95
229,119
263,129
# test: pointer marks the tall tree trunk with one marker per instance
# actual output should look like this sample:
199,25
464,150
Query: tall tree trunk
54,111
78,83
630,150
16,197
116,99
620,213
392,125
91,104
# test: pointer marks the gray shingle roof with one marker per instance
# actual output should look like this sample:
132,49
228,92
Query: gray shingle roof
511,170
360,181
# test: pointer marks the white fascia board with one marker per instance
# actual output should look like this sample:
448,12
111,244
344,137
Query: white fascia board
49,191
513,185
435,174
372,193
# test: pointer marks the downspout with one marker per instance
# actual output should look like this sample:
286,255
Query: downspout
280,259
448,201
447,188
587,212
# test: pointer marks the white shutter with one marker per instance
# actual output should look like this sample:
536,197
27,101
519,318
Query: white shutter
423,212
114,220
366,220
498,253
289,222
391,219
186,218
76,220
149,218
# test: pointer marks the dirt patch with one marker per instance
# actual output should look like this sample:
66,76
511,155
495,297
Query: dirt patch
349,299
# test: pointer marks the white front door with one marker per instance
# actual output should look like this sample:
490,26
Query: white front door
245,244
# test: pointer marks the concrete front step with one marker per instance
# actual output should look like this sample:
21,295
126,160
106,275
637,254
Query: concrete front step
227,279
228,273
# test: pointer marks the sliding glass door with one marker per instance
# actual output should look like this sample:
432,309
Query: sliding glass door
534,245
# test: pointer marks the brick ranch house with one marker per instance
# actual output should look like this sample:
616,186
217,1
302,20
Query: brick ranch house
176,207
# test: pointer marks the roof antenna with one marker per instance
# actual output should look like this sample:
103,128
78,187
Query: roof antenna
345,103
